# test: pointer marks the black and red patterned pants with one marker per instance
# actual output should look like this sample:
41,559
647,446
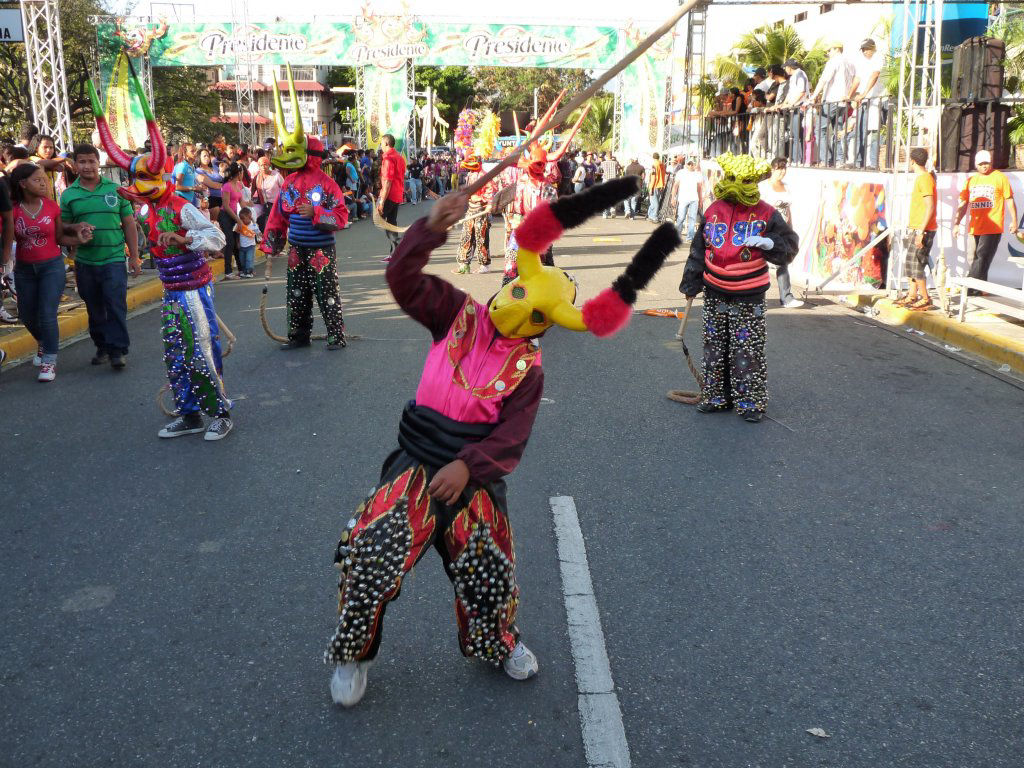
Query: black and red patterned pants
392,529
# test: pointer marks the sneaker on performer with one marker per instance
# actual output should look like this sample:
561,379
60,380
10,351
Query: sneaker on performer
189,424
348,683
38,359
521,664
792,303
218,428
47,372
483,269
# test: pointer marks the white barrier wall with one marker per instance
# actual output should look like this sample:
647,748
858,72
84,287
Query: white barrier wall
836,213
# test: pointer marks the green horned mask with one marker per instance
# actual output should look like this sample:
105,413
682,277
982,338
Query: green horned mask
291,145
742,173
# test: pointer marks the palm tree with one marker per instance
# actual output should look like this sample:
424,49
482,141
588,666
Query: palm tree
596,131
766,46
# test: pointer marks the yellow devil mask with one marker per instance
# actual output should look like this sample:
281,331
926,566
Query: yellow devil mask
543,296
292,146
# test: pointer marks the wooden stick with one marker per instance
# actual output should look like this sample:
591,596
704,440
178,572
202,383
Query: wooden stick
585,94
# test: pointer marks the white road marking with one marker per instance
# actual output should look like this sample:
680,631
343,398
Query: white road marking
604,737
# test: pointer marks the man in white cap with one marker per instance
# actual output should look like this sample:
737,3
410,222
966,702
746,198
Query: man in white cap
985,197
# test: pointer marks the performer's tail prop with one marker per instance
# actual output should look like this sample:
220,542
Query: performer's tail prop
267,272
229,344
684,395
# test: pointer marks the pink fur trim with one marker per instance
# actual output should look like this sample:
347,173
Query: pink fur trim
539,230
606,313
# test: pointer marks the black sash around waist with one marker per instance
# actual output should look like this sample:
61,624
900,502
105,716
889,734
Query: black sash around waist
433,438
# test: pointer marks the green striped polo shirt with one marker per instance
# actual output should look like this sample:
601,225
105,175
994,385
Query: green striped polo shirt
103,208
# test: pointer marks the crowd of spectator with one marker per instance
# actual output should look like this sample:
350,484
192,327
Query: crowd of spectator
836,123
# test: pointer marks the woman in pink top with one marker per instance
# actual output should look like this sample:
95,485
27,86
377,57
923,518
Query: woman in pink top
232,198
266,186
39,265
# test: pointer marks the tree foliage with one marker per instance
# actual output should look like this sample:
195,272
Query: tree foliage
184,104
454,89
504,88
764,47
596,131
79,39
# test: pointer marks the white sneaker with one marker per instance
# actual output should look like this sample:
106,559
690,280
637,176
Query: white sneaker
7,317
38,359
793,304
483,269
47,372
522,664
348,683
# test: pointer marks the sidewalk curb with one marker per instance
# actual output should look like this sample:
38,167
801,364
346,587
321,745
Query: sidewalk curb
20,344
978,341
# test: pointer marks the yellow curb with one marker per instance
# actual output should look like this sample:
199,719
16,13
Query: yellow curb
20,344
994,347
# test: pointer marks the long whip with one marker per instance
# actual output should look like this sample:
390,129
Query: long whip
682,395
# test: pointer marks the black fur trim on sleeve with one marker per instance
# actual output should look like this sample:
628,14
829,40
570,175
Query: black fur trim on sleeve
573,210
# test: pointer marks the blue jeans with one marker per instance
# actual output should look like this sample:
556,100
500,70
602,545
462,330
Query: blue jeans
40,285
785,285
687,214
796,138
245,254
632,205
577,187
104,289
415,190
652,209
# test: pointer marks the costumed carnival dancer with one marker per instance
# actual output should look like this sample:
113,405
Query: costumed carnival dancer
476,231
309,210
536,182
466,429
179,236
738,236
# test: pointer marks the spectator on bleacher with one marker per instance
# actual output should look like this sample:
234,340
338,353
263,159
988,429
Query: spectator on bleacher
831,92
921,228
99,264
986,196
867,86
797,88
39,266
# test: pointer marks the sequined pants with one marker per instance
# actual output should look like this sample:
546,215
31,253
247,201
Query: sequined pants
313,272
192,352
476,239
392,529
512,259
734,364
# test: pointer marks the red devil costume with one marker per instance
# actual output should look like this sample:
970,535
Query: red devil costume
536,182
312,265
179,235
476,231
473,413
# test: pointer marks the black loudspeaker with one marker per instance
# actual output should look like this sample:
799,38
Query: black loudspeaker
978,69
966,129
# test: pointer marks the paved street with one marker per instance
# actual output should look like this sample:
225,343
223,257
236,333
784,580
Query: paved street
854,564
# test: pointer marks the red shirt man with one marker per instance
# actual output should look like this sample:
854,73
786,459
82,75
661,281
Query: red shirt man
392,185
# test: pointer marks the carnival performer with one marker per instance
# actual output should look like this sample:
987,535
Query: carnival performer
465,430
308,211
738,237
179,236
536,182
476,231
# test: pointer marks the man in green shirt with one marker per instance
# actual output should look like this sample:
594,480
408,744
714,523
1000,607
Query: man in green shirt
99,263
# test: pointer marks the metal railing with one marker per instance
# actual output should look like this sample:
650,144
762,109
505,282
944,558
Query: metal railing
843,134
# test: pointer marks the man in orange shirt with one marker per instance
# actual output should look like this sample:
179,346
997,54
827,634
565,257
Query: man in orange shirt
920,233
392,186
985,194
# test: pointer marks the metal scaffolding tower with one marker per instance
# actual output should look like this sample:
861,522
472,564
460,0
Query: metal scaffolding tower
694,73
245,104
47,83
917,124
